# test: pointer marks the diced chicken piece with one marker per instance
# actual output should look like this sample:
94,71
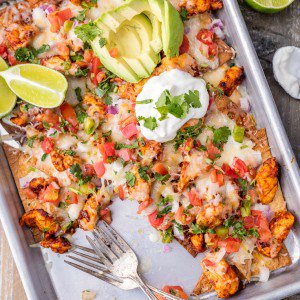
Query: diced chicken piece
89,214
198,242
233,77
96,107
200,6
150,151
280,227
222,277
20,119
62,162
211,215
56,244
267,180
140,190
38,218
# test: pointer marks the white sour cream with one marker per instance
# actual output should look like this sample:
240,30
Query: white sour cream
178,83
286,68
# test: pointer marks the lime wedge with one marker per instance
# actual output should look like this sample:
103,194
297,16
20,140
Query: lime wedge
269,6
7,97
36,84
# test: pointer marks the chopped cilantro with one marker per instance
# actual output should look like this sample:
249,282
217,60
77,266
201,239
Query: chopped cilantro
77,172
54,134
42,49
162,178
87,32
130,178
245,209
81,72
30,141
107,133
221,136
105,86
81,15
69,152
167,235
163,212
102,42
78,94
44,156
202,148
76,57
244,185
146,101
178,226
183,13
134,145
187,132
196,229
46,125
23,54
143,173
149,122
81,115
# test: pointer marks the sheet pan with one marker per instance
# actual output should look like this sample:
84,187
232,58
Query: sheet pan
62,282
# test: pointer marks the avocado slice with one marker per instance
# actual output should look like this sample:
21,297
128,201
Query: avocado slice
172,26
156,42
116,65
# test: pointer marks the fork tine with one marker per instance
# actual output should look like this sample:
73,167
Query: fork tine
104,245
95,259
101,268
110,241
83,248
95,274
124,246
106,261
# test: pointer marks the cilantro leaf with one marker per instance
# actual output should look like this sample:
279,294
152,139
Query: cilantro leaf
102,42
81,115
23,54
162,178
81,15
78,94
143,173
87,32
221,136
183,14
149,122
134,145
163,212
196,229
146,101
130,178
81,72
244,185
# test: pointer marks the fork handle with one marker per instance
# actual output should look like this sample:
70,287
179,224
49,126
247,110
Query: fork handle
144,287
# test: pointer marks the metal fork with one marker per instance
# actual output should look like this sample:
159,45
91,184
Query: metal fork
117,256
93,265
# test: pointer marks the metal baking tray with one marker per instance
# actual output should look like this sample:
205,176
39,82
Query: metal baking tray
30,262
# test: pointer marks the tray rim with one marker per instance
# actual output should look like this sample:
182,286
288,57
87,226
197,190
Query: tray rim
17,240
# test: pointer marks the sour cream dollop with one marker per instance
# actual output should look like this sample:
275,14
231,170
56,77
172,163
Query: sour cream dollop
286,67
177,83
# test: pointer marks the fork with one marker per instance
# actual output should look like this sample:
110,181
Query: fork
117,256
96,268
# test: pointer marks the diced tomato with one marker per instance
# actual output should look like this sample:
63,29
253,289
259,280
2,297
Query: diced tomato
11,59
263,229
229,171
208,263
230,244
63,48
160,169
167,222
121,192
105,215
154,221
144,205
88,170
51,194
256,213
205,36
214,176
100,77
129,130
194,197
113,52
212,50
99,168
185,46
102,151
96,63
3,52
71,197
69,114
29,193
249,222
176,291
64,15
240,166
88,55
109,148
220,179
54,22
47,145
50,117
212,151
125,154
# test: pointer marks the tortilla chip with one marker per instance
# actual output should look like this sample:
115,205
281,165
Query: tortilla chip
188,245
244,270
203,286
225,52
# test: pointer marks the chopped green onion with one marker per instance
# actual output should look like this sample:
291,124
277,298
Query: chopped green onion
238,133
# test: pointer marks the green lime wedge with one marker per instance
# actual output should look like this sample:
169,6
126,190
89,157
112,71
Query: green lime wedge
37,85
269,6
7,97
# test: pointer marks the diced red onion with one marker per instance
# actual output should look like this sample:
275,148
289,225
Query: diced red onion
166,249
217,27
48,9
97,181
113,110
187,30
220,254
265,209
245,104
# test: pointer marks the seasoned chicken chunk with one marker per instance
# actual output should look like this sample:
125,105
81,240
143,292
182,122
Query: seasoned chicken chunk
233,77
192,166
38,218
267,180
139,190
198,242
222,277
211,215
95,106
62,162
150,151
20,119
56,244
89,215
280,227
200,6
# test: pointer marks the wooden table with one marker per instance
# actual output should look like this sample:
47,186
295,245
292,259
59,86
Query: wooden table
269,32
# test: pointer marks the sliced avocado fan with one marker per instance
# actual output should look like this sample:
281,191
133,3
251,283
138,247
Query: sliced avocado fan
139,30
